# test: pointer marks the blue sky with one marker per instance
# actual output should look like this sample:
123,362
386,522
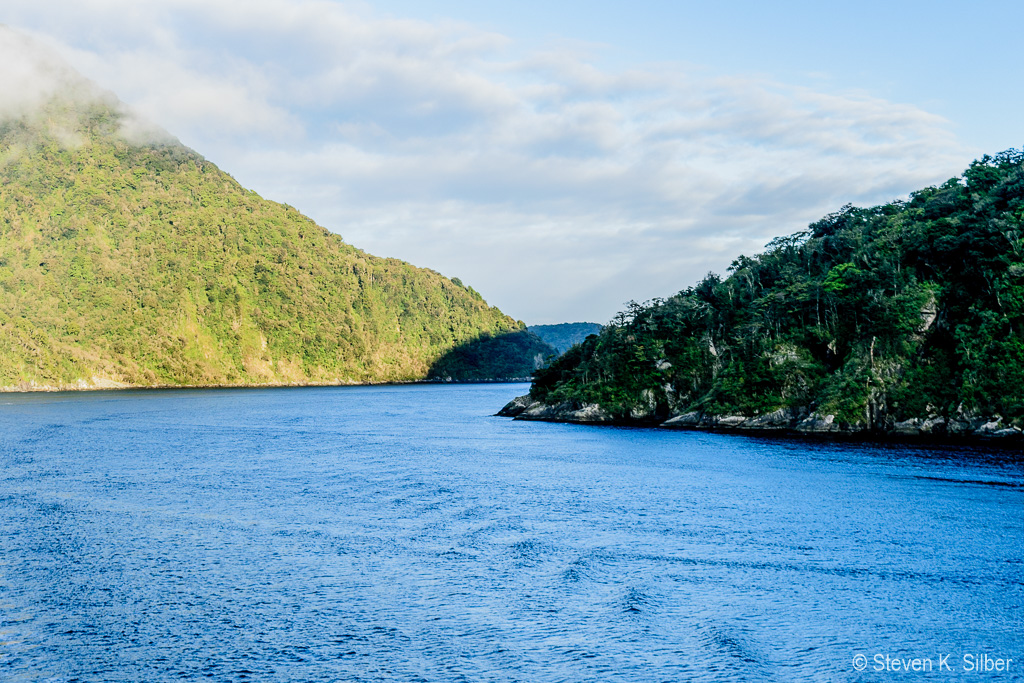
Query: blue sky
562,159
959,60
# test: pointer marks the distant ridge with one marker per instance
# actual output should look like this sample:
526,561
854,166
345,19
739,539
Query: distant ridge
564,336
127,259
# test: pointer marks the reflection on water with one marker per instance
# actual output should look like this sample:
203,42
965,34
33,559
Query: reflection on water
401,533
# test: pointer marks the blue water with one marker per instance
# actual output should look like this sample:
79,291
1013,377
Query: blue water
402,533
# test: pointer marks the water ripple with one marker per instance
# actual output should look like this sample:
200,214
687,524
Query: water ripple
397,533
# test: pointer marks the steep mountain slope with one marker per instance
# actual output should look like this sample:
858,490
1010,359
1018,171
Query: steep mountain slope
126,257
907,317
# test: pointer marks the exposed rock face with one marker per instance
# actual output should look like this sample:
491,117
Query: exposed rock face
990,427
916,426
647,406
786,420
908,427
782,418
524,408
929,312
516,406
590,413
816,423
684,421
996,429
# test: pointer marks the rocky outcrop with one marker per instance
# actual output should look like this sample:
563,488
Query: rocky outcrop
784,420
516,406
916,426
685,421
646,408
524,408
816,423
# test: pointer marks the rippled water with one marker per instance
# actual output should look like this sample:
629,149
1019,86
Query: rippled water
401,533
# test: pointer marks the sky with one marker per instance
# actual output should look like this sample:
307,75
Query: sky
561,158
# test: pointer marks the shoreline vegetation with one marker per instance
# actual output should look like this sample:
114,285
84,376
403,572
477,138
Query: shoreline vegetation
900,320
800,423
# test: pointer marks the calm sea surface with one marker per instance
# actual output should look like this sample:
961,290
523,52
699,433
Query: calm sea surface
403,534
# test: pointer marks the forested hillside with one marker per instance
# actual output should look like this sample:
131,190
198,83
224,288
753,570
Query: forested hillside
143,263
913,310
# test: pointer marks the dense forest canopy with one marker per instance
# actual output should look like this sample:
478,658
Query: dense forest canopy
910,309
141,262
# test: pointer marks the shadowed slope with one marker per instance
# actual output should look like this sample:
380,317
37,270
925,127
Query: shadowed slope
511,355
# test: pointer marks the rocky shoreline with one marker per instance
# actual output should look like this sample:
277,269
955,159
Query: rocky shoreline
783,421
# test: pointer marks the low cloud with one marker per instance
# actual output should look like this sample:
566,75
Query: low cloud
31,74
555,187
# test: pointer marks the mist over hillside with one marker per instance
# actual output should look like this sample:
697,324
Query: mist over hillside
127,258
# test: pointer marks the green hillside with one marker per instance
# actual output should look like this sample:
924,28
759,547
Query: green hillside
913,310
144,264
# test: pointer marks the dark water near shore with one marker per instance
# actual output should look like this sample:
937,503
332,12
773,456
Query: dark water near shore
400,533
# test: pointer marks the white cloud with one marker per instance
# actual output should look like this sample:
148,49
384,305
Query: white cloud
30,75
558,189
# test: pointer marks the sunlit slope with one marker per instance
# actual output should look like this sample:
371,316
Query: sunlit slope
140,262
